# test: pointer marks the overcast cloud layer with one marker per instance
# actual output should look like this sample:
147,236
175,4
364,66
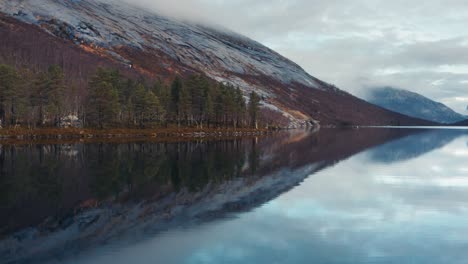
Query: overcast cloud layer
421,46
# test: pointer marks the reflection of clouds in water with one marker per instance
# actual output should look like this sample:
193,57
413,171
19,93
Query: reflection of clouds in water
461,153
359,211
401,209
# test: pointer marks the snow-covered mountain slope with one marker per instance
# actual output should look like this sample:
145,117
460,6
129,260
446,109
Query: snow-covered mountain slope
111,24
413,104
81,35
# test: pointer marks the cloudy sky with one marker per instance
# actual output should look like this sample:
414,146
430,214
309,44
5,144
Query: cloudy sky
421,46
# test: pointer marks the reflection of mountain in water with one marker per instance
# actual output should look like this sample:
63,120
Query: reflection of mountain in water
59,200
415,145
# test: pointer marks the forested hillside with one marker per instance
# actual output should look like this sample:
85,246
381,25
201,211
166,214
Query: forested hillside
42,99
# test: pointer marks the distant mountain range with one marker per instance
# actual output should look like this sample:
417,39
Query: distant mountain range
414,105
462,123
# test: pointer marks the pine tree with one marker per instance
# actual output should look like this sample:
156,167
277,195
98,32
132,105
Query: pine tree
210,106
240,107
219,104
176,88
185,105
24,112
139,104
49,95
125,92
55,91
103,101
230,105
146,106
163,93
40,97
8,91
154,110
198,86
254,107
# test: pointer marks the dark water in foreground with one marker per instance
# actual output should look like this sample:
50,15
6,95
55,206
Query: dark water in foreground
349,196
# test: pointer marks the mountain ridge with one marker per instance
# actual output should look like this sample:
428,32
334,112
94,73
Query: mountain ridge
462,123
85,34
413,104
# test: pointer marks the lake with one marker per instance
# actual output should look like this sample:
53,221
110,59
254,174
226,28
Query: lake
371,195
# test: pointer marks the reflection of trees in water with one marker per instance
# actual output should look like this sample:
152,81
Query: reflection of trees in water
40,181
30,172
254,156
53,179
128,168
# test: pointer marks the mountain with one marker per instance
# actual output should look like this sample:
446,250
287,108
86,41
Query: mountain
82,35
462,123
413,104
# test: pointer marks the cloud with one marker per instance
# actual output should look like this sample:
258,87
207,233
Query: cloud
352,44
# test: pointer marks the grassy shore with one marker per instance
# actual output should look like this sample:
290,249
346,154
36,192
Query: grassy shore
82,133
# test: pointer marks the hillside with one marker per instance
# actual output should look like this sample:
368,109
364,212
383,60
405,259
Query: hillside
462,123
413,104
82,35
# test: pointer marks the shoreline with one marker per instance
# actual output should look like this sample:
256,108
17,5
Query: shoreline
118,134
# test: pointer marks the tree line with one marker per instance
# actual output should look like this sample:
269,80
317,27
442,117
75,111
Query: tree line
112,101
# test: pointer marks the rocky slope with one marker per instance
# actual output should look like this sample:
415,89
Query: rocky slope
81,35
413,104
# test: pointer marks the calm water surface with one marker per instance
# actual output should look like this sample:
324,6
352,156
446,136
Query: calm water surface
334,196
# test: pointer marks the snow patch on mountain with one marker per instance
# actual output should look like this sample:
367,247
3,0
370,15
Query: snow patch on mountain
110,24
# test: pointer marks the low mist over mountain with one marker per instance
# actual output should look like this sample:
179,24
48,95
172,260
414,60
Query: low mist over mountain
82,35
413,104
